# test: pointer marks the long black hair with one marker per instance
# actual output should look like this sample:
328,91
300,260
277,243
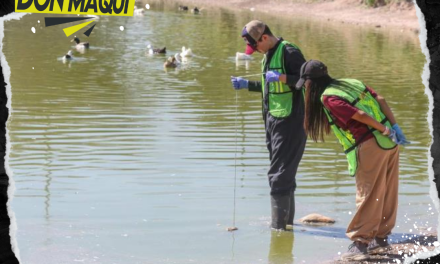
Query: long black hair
316,122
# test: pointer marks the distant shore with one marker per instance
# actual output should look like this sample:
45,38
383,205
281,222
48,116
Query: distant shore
397,16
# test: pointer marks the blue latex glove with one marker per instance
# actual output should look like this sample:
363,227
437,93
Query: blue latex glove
239,83
393,136
272,76
401,139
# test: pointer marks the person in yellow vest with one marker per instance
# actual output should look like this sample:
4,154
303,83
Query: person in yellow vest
366,127
283,114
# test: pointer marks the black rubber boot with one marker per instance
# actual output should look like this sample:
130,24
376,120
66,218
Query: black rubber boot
291,208
280,211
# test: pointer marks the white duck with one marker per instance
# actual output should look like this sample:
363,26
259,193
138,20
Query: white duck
68,56
80,45
242,56
179,58
138,11
186,52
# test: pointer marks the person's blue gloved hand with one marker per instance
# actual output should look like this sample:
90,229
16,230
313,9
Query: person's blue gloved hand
272,76
393,136
239,83
401,139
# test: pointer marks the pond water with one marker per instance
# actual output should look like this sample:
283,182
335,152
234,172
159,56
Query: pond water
116,160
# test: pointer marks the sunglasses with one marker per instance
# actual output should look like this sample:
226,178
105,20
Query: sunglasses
251,41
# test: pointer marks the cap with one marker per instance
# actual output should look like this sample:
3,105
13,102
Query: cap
311,69
252,33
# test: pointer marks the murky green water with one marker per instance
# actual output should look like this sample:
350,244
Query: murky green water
117,161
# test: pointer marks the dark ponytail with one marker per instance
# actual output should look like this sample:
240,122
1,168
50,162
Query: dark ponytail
316,122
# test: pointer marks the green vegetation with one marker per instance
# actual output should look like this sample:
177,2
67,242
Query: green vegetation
377,3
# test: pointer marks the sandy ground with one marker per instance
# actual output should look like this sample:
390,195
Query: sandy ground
396,16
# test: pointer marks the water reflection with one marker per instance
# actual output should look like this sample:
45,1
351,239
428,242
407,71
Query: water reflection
281,246
48,181
241,63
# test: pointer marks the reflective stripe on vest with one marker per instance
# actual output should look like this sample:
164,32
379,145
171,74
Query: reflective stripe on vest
279,96
357,95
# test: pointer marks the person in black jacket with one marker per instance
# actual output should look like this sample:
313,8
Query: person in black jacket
283,114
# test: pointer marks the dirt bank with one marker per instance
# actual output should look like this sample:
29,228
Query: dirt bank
398,16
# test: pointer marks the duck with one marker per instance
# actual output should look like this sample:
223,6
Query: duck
242,56
138,11
186,52
179,58
183,8
68,56
171,62
80,44
156,51
195,10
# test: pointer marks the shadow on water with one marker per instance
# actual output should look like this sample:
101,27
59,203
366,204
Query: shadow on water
339,232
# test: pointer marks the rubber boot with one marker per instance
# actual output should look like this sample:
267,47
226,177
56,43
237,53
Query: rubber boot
280,211
291,209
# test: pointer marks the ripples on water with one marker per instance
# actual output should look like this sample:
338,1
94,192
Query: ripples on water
117,160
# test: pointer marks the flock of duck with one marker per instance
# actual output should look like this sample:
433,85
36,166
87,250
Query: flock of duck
178,58
195,10
80,46
140,11
171,62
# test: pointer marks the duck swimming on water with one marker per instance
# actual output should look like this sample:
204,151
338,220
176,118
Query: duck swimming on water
138,11
80,44
186,52
171,62
68,55
156,51
195,10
